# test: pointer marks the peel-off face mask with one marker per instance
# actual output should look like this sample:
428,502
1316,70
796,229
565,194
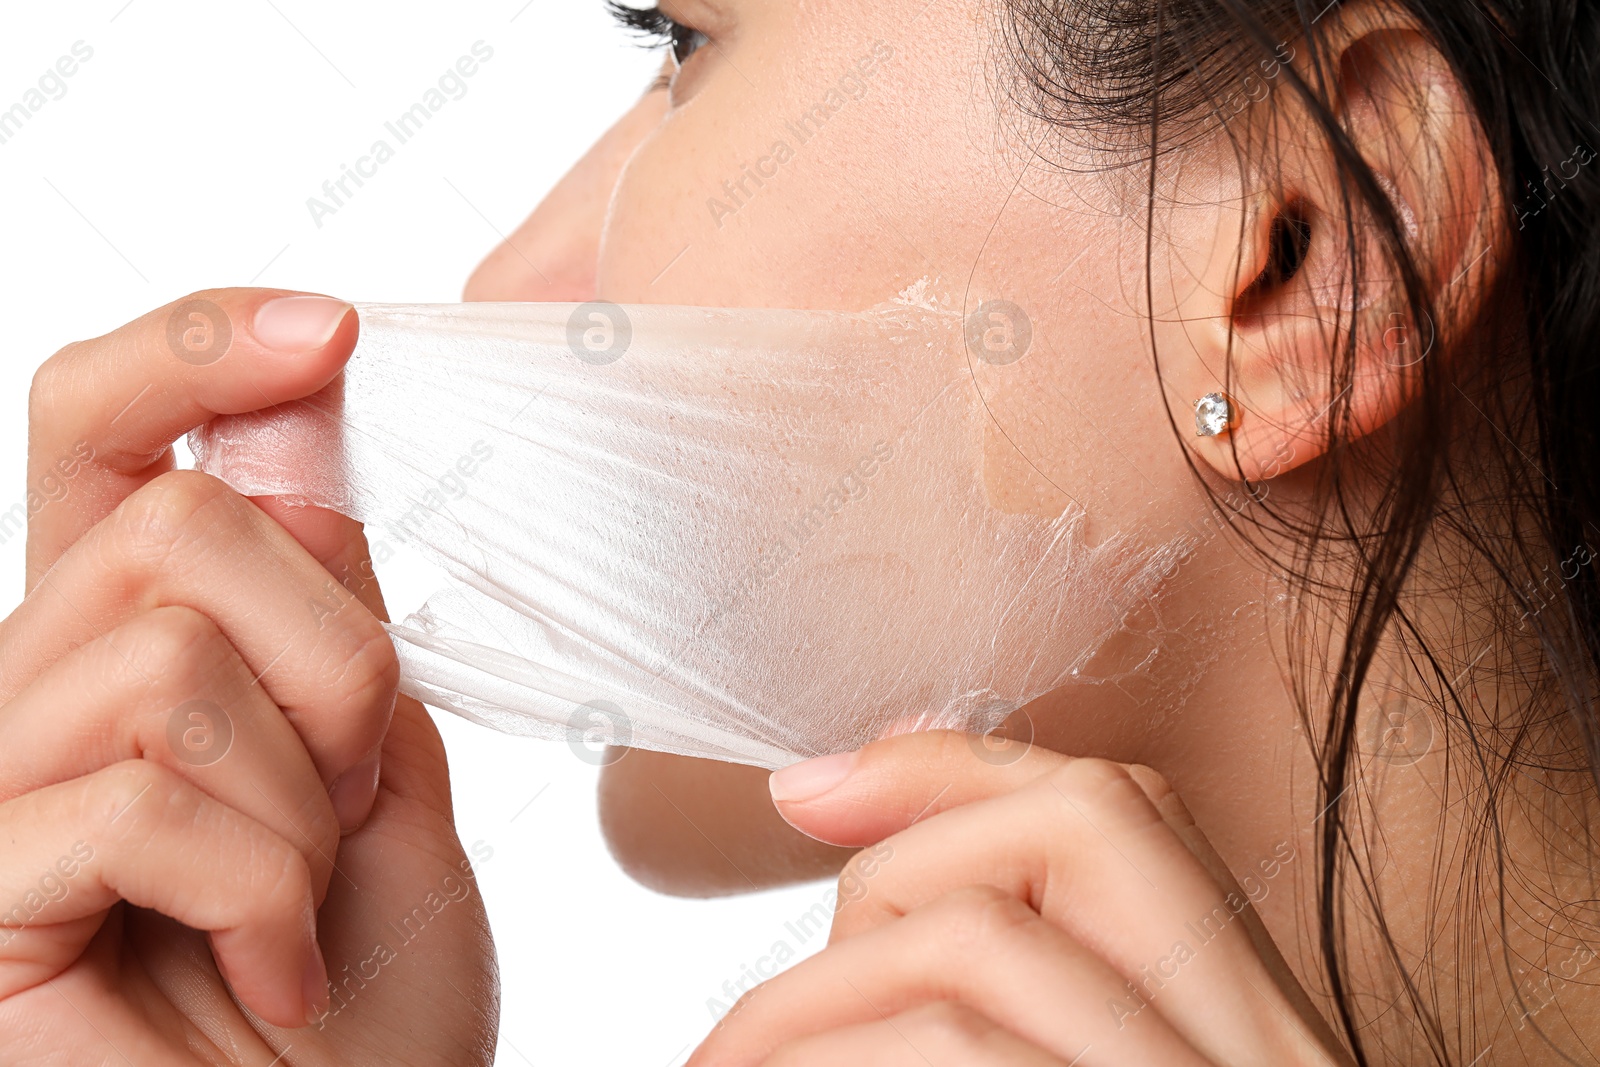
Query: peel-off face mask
747,535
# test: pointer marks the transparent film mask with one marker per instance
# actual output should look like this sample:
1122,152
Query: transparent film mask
748,535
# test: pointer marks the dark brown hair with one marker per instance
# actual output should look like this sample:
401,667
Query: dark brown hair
1520,502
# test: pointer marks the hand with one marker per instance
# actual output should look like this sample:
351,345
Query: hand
192,709
1025,908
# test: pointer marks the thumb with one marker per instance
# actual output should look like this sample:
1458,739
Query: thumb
861,797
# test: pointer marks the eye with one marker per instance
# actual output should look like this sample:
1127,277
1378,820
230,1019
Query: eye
659,30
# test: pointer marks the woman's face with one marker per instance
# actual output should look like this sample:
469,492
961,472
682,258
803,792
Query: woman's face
834,154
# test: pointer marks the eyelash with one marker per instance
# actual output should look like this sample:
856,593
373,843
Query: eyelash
658,29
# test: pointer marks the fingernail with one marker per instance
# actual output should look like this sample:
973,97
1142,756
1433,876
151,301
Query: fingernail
314,986
353,792
298,323
812,778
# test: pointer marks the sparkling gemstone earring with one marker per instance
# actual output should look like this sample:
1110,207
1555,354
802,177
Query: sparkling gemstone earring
1213,414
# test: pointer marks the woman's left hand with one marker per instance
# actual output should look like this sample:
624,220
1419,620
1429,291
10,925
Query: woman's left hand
1021,907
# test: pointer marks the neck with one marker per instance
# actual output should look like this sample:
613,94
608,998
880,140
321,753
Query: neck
1456,805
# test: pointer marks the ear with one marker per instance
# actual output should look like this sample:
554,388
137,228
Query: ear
1280,293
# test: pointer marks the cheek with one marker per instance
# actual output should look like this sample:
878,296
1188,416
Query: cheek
1054,328
1070,418
709,234
737,198
810,191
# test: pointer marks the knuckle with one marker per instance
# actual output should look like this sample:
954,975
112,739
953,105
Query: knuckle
1099,789
743,1002
56,394
853,876
368,667
47,390
801,1052
164,511
804,1051
315,820
979,916
1161,793
281,881
272,880
216,296
1152,782
734,1016
952,1027
372,669
951,748
177,646
128,801
135,802
856,876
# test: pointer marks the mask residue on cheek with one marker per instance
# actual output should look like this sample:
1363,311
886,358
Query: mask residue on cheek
747,535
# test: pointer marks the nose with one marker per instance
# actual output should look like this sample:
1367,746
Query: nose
554,253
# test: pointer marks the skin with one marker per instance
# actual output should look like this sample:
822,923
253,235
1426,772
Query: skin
1033,965
970,217
119,834
133,600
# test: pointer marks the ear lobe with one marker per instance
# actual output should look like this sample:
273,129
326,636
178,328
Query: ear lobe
1314,263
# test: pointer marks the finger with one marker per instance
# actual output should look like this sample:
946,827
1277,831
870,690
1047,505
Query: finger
979,947
857,798
137,832
340,545
187,539
167,686
862,797
333,540
1087,848
943,1032
103,413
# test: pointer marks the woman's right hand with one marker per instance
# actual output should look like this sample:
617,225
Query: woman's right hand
192,709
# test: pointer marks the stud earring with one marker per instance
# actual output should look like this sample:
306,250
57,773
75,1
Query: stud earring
1213,415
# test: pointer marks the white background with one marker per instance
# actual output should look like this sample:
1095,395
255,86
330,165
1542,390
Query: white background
181,157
